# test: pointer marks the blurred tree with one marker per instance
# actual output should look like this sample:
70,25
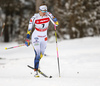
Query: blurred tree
96,6
28,10
74,16
17,13
81,15
38,3
9,7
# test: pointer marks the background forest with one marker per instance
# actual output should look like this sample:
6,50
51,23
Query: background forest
77,18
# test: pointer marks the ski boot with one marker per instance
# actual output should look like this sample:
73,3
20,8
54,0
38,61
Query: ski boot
36,75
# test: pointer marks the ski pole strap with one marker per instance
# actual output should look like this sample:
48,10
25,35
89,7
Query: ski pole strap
14,47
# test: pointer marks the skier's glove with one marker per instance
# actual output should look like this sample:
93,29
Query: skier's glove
56,23
27,42
55,20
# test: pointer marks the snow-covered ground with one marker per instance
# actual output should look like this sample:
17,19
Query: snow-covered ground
79,64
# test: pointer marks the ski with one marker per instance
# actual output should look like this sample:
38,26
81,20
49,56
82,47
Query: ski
40,72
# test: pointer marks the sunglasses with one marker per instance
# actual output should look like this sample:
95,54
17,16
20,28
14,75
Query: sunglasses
43,11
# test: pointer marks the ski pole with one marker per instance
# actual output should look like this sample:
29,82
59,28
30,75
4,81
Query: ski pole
2,29
14,47
57,50
56,42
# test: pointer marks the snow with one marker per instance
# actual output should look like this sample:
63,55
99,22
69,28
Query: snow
79,64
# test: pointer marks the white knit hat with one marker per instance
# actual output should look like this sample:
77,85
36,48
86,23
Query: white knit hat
43,7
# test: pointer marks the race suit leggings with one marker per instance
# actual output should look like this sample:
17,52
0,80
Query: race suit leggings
39,44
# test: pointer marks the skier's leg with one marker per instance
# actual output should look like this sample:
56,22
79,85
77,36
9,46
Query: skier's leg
36,63
36,60
43,47
36,45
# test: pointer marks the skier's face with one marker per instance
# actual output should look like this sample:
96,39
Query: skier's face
42,12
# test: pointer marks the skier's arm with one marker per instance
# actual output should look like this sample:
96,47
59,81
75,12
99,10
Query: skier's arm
30,26
52,18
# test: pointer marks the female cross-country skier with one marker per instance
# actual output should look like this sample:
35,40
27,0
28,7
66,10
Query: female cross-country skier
39,35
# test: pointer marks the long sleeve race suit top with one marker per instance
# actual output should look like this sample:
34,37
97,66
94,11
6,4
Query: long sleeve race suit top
41,23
